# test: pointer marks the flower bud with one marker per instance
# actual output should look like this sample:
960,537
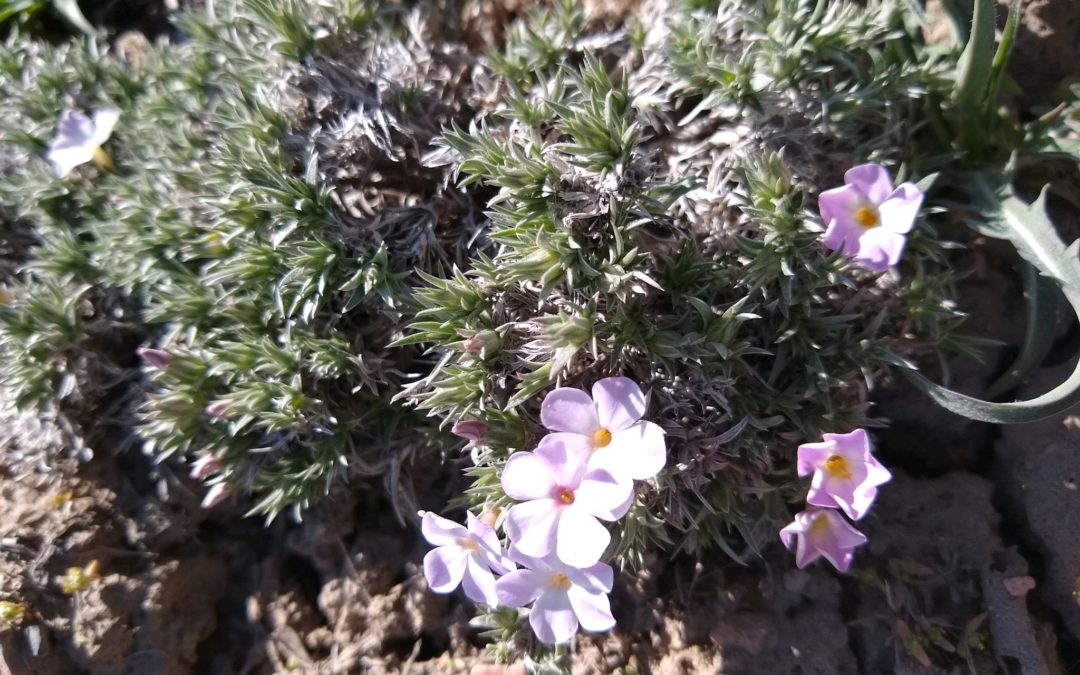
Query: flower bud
205,466
217,493
155,358
470,430
218,409
484,343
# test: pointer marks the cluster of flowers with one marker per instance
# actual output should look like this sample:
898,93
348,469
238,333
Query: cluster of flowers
846,477
581,473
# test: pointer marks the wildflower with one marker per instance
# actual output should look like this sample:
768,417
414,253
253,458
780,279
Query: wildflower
606,430
470,430
822,532
155,358
205,466
79,578
846,475
78,140
12,612
868,217
464,556
563,597
217,493
561,500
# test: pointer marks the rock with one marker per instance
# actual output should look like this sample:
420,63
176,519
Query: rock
1038,468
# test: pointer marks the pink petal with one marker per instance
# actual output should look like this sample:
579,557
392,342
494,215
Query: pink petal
439,531
837,207
873,180
444,567
880,249
572,410
813,455
853,441
593,610
582,446
479,584
526,476
520,587
563,464
553,619
581,539
532,526
791,531
594,578
604,496
639,452
899,211
619,402
819,496
858,505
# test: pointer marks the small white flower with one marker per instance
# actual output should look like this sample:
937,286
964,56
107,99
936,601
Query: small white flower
78,140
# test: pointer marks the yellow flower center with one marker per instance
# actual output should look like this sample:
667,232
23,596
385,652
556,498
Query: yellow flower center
468,544
838,467
102,160
601,438
565,495
820,525
867,216
560,581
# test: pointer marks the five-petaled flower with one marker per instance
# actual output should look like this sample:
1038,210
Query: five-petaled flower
561,499
868,217
846,474
79,139
822,532
606,430
463,556
563,596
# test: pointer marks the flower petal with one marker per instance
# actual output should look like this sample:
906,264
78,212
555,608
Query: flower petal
639,452
444,567
594,578
813,455
567,409
553,619
899,211
837,207
526,476
104,121
604,496
532,526
64,159
582,446
581,539
593,610
520,587
440,531
873,180
880,249
619,402
479,584
564,464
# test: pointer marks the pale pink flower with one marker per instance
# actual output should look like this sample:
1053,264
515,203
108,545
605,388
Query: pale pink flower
561,499
846,474
868,217
563,597
822,532
463,557
217,493
78,140
606,430
205,466
470,430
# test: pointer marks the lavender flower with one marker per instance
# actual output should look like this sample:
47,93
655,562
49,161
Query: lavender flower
79,139
463,557
868,218
562,597
822,532
606,430
846,475
562,498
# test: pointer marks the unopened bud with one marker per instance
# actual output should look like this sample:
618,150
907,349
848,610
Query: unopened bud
217,493
155,358
470,430
484,342
205,466
218,409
